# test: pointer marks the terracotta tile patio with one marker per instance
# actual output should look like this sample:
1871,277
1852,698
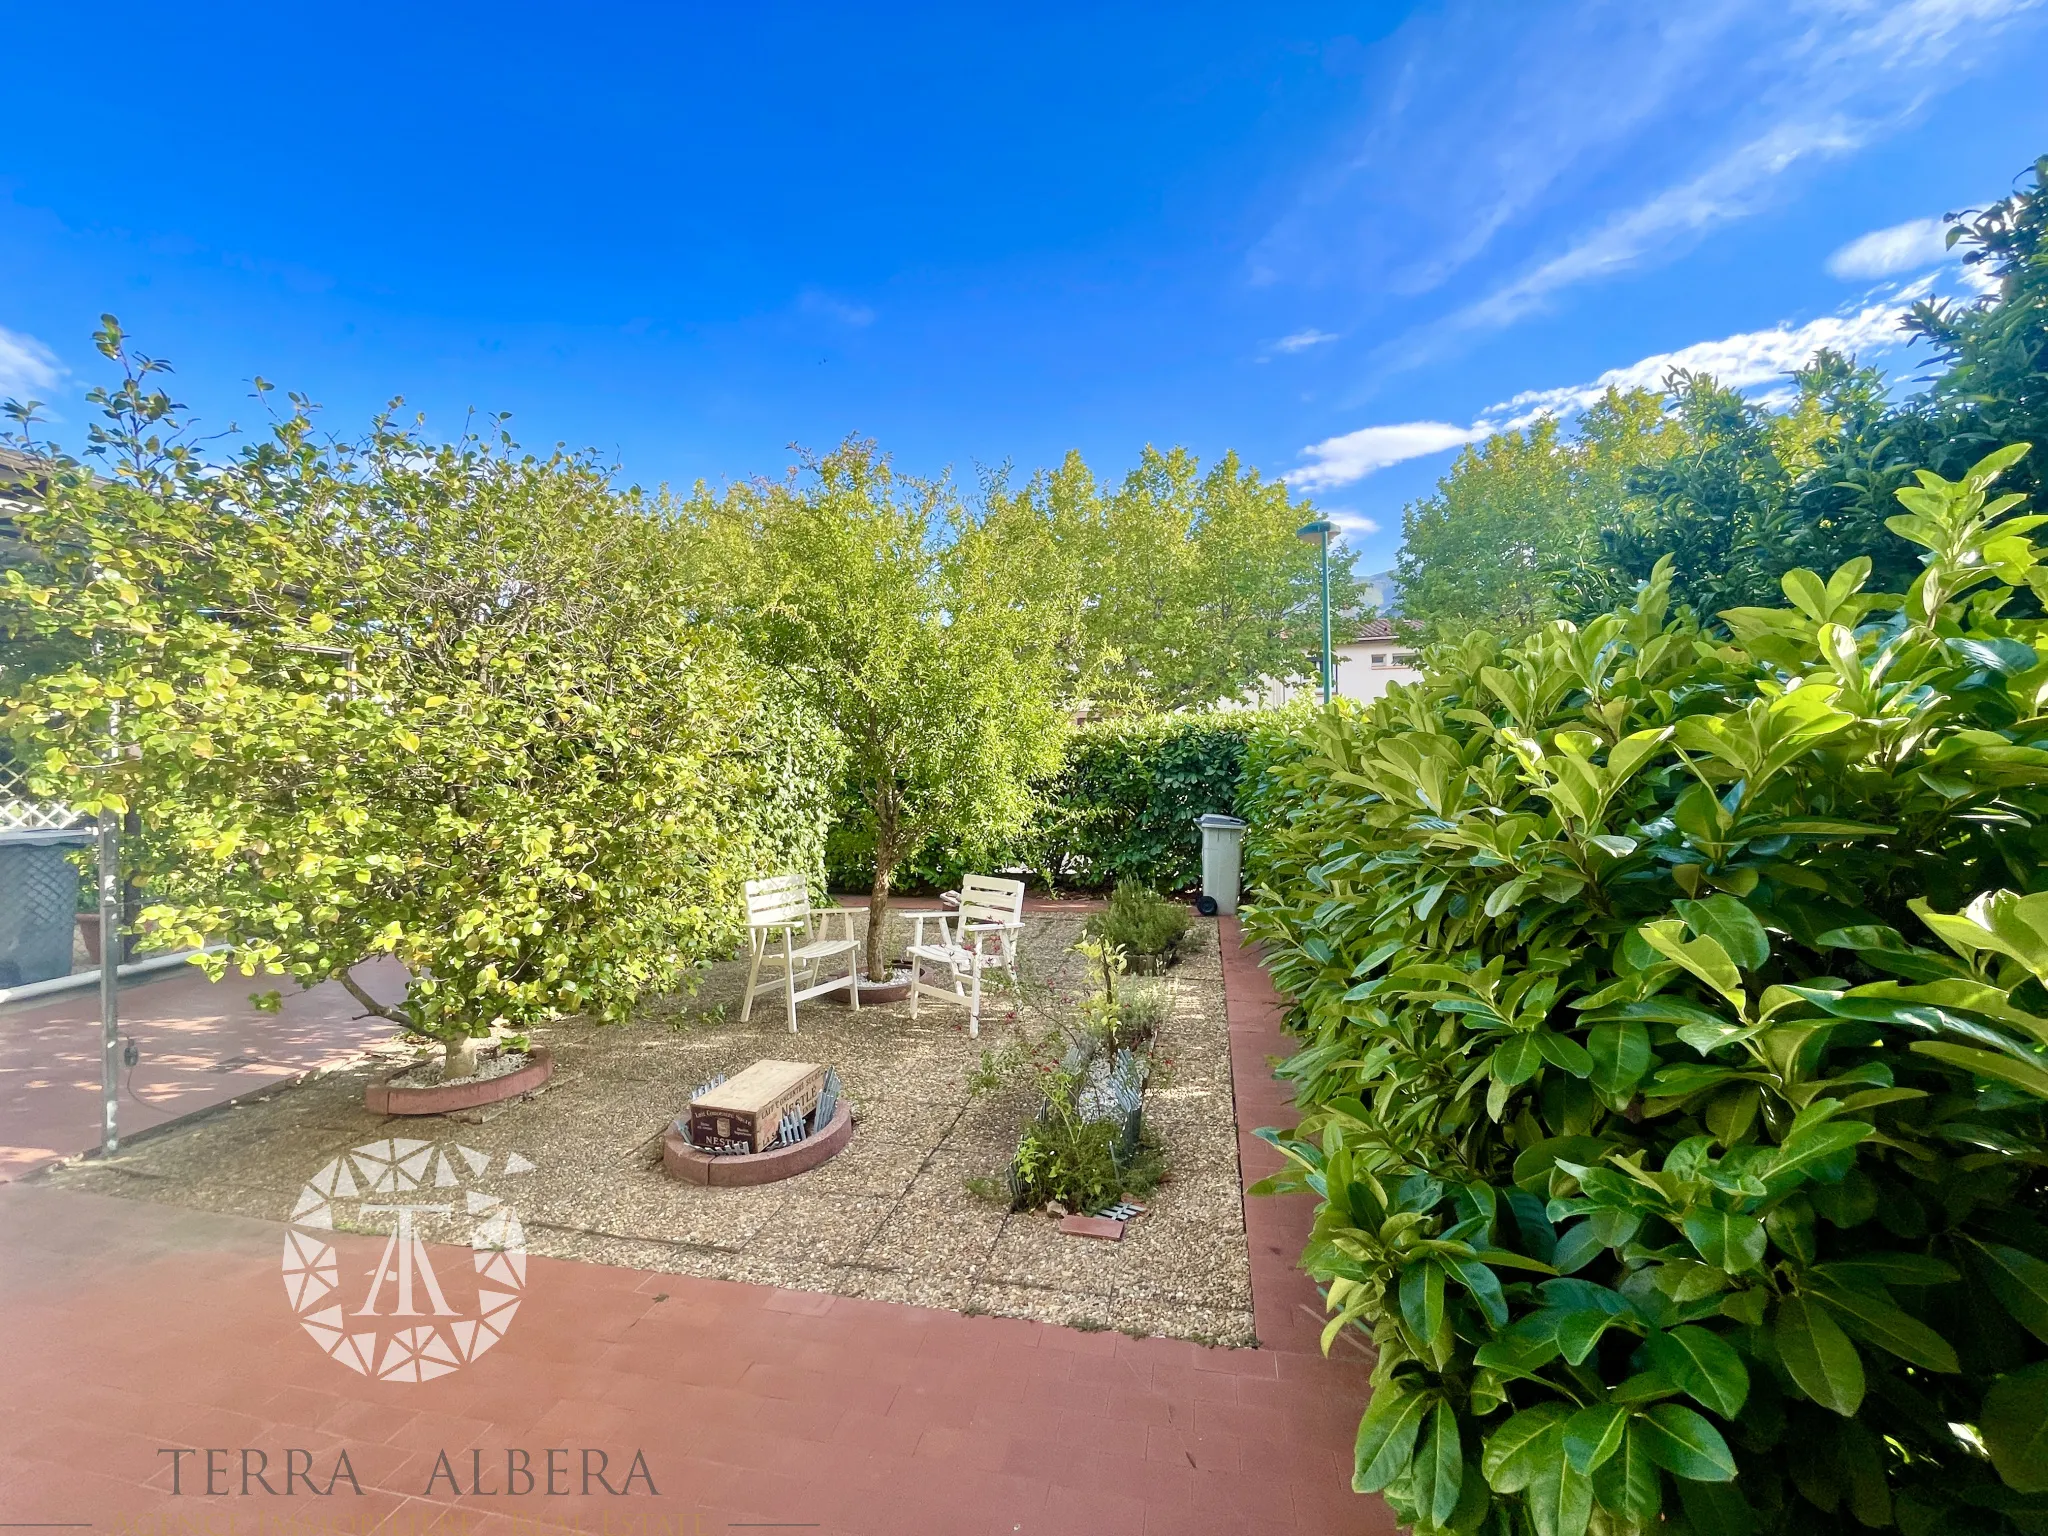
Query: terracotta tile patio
201,1044
129,1329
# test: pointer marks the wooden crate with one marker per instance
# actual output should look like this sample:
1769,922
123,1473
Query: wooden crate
744,1112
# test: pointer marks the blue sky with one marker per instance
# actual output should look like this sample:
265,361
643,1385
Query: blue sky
1339,240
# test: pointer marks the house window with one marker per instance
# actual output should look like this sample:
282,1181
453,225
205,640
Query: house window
1379,658
1404,658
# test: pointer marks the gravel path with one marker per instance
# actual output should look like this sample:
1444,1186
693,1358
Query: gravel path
888,1218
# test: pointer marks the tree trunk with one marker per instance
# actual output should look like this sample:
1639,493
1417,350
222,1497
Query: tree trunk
461,1056
878,919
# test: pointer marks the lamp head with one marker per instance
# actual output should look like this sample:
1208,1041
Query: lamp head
1315,532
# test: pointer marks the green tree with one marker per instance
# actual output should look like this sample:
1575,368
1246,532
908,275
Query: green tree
1743,499
1179,587
436,701
1516,512
900,620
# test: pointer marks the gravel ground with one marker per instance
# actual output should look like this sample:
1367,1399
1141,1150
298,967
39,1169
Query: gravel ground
889,1217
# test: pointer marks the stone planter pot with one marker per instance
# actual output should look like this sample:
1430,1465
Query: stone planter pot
680,1160
382,1096
89,931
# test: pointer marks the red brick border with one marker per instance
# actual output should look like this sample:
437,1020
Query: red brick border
381,1096
1287,1307
680,1160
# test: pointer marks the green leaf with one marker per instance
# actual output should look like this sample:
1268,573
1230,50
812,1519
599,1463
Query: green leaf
1439,1472
1731,925
2000,921
1807,1146
1821,1360
1386,1437
1703,956
1515,1060
1727,1241
1991,1064
1560,1498
1888,1269
2019,1281
1621,1055
1685,1444
1521,1447
1627,1483
1879,1321
1701,1363
2014,1424
1422,1300
1593,1434
1563,1052
1716,1509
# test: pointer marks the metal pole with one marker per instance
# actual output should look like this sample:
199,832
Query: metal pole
110,980
1326,617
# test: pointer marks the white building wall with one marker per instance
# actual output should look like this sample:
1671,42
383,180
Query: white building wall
1366,668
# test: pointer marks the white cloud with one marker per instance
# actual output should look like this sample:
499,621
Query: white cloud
1350,521
26,364
1859,71
1910,247
1301,341
1341,460
815,301
1742,361
1729,189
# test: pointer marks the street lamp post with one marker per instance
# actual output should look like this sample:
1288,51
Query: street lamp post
1318,533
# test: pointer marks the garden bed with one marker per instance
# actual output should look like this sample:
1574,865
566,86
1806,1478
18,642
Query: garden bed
888,1217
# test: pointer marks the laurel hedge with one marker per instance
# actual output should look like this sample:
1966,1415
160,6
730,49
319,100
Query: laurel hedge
1673,1081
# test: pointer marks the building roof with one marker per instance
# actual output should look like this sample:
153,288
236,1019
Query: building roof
1377,629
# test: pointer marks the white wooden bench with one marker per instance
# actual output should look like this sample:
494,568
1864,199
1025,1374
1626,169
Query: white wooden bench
783,925
980,937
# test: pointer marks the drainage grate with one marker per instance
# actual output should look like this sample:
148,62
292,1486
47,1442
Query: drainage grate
234,1063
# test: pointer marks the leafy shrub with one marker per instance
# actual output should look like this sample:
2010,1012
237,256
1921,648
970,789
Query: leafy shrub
1141,923
434,701
1674,1080
1124,804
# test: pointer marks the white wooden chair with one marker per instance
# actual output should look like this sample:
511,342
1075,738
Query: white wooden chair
783,925
980,937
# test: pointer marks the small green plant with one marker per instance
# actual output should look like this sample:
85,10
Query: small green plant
1141,1012
1068,1159
1088,1143
1142,923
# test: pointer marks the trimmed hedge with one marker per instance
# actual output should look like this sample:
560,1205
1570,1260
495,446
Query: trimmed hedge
1125,803
1122,807
1674,1082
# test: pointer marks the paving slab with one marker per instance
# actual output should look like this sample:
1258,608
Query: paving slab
134,1331
201,1043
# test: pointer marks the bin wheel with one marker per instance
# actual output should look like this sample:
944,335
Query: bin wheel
1206,905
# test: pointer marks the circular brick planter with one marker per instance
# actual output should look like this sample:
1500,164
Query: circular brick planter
680,1160
382,1096
872,992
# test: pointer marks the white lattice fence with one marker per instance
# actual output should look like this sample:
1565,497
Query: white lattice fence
18,813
